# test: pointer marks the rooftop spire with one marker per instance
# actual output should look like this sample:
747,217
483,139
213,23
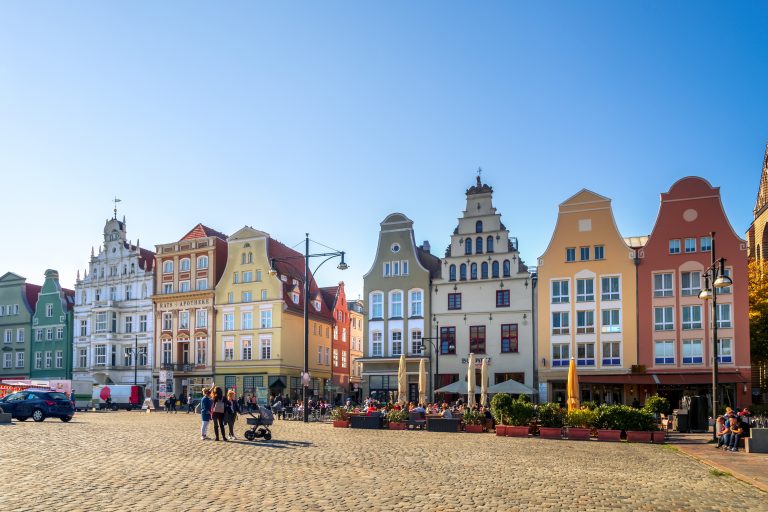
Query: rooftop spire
762,191
115,200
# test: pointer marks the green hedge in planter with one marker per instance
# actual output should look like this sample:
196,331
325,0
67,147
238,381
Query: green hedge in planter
612,417
500,405
471,417
551,415
583,418
339,414
639,420
521,412
397,416
656,405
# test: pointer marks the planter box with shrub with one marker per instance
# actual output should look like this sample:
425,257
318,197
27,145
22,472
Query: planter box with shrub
341,423
608,435
551,432
579,433
473,429
517,431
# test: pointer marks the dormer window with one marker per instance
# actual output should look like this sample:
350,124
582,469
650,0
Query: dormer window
295,297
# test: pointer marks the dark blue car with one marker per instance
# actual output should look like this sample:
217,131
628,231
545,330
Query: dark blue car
38,405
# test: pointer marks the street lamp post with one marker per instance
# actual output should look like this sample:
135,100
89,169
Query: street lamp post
534,281
715,272
306,379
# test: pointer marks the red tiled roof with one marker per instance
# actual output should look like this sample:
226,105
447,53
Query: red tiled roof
32,291
69,296
290,263
330,294
203,231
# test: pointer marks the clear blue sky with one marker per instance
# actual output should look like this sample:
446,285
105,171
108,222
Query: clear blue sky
326,116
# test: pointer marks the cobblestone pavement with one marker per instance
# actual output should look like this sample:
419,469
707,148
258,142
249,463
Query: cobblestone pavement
135,461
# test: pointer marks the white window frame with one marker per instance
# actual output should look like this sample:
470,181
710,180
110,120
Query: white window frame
558,296
377,304
246,349
694,283
614,321
265,348
377,342
666,324
667,355
396,306
265,319
667,284
561,329
611,294
585,321
695,357
674,246
692,323
689,246
724,316
416,303
585,295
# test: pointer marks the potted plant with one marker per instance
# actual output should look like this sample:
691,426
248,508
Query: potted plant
521,413
340,417
500,404
580,423
639,426
473,421
397,418
551,420
609,420
657,405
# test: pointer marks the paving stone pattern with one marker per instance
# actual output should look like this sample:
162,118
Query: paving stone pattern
136,461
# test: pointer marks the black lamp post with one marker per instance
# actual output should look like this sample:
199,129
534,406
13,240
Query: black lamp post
534,281
306,379
715,272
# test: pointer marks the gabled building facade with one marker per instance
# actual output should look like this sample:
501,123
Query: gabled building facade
113,324
336,300
587,304
18,300
51,352
186,274
397,289
356,338
484,303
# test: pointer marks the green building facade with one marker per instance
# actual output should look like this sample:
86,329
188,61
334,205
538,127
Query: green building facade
51,352
17,305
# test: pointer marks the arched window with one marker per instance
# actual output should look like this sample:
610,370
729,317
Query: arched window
184,265
202,262
452,273
479,226
479,245
167,267
484,270
468,246
489,244
463,272
473,271
506,268
495,269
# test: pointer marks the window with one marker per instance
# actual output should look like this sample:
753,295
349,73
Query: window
19,335
561,354
724,350
560,322
49,334
416,342
48,359
128,324
263,294
473,271
502,298
662,285
59,333
484,270
663,319
447,340
506,268
8,336
168,267
184,320
611,353
229,321
143,356
377,347
184,265
201,284
246,296
479,226
235,277
258,276
477,339
242,258
167,287
489,244
570,254
127,356
266,319
8,360
201,350
114,322
463,272
664,352
508,338
724,316
202,318
705,243
19,359
167,322
101,354
202,262
690,245
112,293
611,321
585,322
690,283
727,289
417,302
229,350
396,268
599,252
83,357
674,247
585,290
397,343
691,317
396,304
387,269
39,334
404,265
468,246
377,305
454,301
246,320
247,276
560,292
38,360
49,310
609,288
343,358
584,253
452,273
246,352
336,357
585,354
127,293
495,269
693,352
479,245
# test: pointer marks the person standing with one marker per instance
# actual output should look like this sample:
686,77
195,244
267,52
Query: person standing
231,410
190,403
277,408
205,413
217,409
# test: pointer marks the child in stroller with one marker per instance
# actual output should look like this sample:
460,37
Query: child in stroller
259,424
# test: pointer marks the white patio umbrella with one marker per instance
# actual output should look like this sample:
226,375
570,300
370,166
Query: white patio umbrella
471,386
422,382
402,381
484,383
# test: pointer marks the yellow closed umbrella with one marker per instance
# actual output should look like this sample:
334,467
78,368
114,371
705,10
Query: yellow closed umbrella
573,386
484,383
402,381
422,382
471,386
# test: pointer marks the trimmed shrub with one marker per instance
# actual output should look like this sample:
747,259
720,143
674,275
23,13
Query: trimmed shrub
551,415
583,418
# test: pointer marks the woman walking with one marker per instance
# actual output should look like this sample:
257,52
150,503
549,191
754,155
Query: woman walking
217,410
231,410
205,413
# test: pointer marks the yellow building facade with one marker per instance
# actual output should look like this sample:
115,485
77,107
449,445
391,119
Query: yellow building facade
260,322
587,306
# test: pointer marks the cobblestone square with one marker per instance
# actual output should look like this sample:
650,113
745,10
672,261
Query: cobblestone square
135,461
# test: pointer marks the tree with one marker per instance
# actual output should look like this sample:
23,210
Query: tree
758,310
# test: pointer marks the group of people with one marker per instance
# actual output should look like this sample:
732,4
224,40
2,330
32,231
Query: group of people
222,410
283,404
730,428
453,410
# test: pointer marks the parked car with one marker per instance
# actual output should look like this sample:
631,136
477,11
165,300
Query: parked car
38,405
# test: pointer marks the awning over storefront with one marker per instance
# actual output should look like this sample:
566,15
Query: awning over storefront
680,379
277,381
625,378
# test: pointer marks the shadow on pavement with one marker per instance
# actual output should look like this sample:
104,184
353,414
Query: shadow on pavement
274,444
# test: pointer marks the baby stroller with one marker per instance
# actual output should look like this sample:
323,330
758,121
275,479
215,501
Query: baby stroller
259,423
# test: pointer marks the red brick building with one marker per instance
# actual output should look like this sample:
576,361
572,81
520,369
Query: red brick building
674,324
336,300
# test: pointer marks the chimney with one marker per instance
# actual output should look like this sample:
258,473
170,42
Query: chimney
426,247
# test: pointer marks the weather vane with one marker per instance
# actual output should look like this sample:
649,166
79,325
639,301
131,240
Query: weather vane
115,200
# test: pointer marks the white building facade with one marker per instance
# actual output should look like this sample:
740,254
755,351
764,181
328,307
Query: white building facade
113,338
482,304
